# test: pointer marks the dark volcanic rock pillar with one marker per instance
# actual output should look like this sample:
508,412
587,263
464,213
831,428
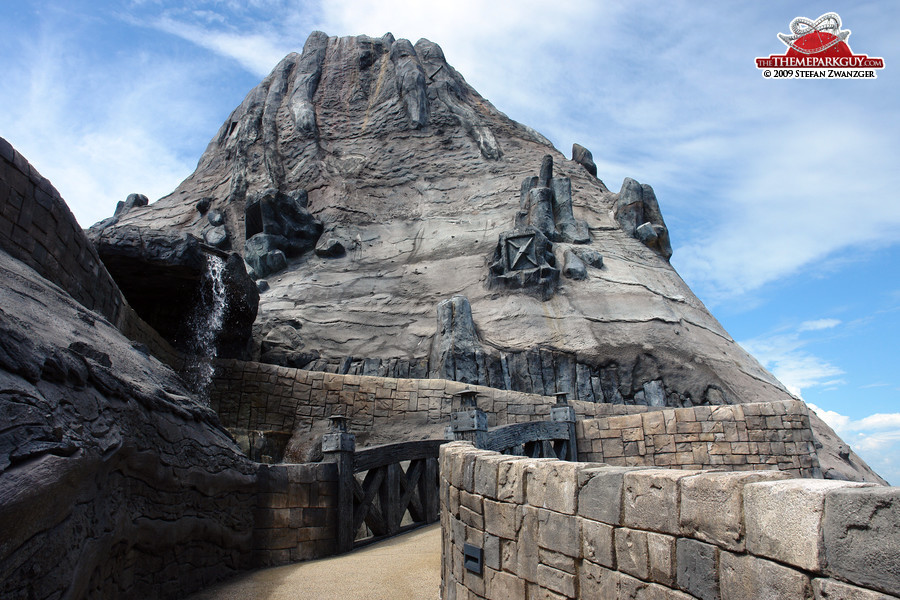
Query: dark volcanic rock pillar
455,347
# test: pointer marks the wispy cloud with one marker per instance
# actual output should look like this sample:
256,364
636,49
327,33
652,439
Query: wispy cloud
876,438
818,324
784,353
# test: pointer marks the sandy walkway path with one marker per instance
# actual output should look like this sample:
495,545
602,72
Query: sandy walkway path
407,567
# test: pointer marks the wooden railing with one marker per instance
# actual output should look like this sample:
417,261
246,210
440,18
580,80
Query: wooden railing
537,439
383,490
554,438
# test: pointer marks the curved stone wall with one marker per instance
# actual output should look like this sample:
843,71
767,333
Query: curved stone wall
554,529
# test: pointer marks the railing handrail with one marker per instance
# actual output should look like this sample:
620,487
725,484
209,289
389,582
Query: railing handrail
386,454
507,436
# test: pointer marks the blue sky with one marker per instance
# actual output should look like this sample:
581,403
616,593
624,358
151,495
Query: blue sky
781,196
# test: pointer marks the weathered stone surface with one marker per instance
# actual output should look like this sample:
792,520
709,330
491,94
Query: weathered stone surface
712,506
573,267
264,254
453,352
829,589
217,236
559,533
698,568
598,543
596,581
590,257
132,201
861,530
553,486
661,555
784,520
631,552
330,248
114,482
583,156
647,499
746,577
215,218
600,494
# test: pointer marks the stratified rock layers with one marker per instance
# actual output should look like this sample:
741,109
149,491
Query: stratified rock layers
416,176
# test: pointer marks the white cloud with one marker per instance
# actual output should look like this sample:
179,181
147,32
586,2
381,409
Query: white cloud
256,52
797,369
818,324
876,438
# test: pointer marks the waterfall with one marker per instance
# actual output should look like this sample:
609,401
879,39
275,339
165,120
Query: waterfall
205,324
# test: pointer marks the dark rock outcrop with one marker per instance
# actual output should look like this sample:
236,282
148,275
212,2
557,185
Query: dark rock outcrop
114,483
161,274
637,212
456,347
583,157
278,222
131,201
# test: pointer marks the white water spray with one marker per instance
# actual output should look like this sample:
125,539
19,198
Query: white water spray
205,324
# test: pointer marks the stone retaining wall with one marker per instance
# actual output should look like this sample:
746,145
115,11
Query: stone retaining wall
759,436
262,397
555,530
296,513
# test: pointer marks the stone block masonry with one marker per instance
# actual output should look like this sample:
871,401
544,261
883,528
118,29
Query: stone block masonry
646,533
740,437
296,513
262,397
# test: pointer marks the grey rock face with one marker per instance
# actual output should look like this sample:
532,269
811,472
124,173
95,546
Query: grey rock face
161,273
216,237
573,267
330,248
215,218
264,254
278,225
589,257
456,345
583,157
637,212
861,527
284,346
99,444
131,201
420,202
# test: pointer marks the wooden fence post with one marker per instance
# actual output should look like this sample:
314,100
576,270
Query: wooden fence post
564,413
338,446
470,422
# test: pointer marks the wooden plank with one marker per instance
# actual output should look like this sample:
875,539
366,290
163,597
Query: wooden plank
429,490
509,436
409,486
379,456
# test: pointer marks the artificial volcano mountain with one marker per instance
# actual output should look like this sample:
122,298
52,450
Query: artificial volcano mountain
398,224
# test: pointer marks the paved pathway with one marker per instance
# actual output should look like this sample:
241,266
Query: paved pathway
406,567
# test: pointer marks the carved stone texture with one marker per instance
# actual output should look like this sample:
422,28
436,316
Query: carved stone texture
130,202
583,157
637,212
455,347
524,260
278,222
546,203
